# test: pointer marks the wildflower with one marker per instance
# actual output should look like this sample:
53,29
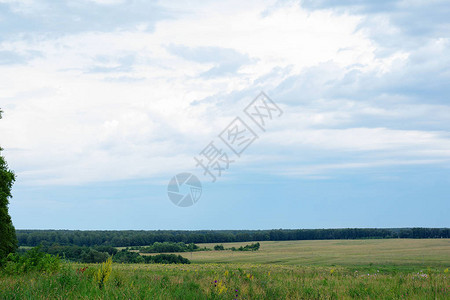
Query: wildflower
103,273
219,287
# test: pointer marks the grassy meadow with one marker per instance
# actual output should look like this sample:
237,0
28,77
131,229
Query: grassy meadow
339,269
400,253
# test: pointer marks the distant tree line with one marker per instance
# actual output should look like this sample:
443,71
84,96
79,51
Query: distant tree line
98,254
84,254
252,247
158,247
125,256
128,238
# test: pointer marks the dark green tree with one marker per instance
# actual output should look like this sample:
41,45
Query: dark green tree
219,247
8,240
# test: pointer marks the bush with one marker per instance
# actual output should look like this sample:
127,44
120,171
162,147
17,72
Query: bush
125,256
166,259
252,247
108,249
33,260
169,247
219,247
94,256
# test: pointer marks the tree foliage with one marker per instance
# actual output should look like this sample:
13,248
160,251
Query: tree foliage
128,238
166,259
33,260
8,240
252,247
95,254
169,247
219,247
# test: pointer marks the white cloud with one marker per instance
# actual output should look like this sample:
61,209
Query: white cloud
108,2
134,118
320,171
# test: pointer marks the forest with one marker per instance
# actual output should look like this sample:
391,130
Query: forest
126,238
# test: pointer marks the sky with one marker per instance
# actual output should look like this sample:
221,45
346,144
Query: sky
105,101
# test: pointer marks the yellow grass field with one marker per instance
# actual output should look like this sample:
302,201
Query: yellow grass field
388,252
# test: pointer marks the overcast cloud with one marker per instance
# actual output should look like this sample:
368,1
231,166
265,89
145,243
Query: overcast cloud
114,91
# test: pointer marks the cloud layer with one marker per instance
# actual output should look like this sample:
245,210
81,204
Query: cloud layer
116,90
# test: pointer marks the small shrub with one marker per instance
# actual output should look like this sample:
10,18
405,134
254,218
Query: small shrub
125,256
219,247
251,247
32,260
94,256
166,259
169,247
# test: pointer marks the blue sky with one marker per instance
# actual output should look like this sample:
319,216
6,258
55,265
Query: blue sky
104,101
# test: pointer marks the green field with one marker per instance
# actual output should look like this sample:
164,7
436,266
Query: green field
389,252
339,269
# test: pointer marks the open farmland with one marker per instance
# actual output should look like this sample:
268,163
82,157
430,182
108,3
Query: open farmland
386,252
337,269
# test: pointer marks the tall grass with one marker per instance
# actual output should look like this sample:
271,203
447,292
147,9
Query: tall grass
214,281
